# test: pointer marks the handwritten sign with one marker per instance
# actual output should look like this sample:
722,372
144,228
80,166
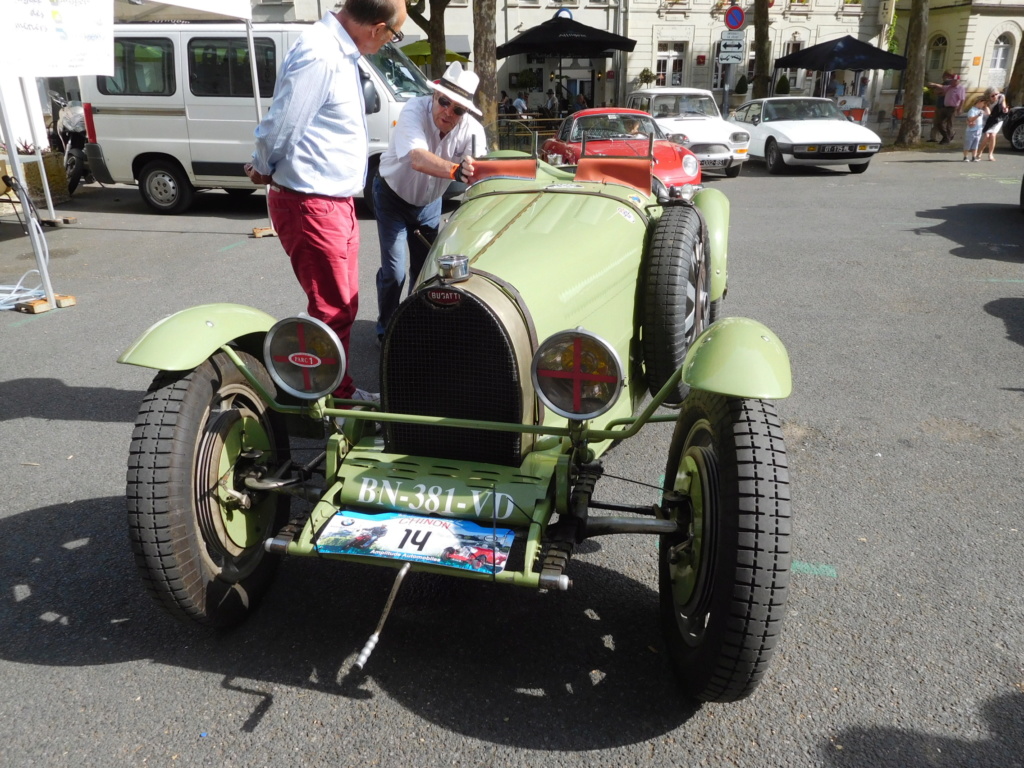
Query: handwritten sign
58,38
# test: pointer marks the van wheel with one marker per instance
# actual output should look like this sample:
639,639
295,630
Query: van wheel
165,188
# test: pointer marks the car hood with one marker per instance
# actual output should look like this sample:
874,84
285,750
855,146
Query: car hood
800,131
699,130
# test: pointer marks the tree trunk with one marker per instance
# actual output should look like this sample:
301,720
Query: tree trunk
434,27
486,66
1015,87
762,51
913,83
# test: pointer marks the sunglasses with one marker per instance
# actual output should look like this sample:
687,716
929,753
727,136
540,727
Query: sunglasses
447,104
396,37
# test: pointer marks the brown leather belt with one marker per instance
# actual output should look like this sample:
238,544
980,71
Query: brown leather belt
291,192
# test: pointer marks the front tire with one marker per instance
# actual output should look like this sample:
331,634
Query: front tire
74,168
733,170
165,187
676,300
773,158
723,578
859,167
1017,136
198,548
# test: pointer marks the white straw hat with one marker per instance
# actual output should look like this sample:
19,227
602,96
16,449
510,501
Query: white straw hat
459,85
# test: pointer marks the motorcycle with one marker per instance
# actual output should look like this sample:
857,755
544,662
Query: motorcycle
67,135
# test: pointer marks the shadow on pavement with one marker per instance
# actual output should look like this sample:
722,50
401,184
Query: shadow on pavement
579,670
1004,748
1011,312
984,231
52,399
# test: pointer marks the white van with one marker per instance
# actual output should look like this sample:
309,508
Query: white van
178,113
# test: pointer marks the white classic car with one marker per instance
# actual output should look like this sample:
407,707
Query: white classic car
693,113
798,130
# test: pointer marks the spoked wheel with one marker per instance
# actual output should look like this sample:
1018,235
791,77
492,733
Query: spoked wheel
723,578
773,158
197,532
677,299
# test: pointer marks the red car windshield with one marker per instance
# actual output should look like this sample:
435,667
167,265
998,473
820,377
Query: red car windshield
614,126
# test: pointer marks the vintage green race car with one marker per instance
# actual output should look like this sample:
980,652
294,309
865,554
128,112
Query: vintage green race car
559,312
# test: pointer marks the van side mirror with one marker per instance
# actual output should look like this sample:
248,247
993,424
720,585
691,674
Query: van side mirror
370,96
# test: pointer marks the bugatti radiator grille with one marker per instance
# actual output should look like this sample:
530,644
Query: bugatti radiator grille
451,359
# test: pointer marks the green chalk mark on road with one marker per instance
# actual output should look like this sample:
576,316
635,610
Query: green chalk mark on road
229,247
814,569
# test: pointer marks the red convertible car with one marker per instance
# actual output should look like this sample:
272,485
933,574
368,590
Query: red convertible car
618,132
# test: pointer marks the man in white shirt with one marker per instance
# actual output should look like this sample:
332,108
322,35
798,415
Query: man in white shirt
311,150
520,103
432,145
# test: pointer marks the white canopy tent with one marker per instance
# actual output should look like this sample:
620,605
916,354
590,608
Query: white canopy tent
57,38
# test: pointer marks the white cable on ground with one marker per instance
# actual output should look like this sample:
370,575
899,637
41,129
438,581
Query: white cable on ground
12,295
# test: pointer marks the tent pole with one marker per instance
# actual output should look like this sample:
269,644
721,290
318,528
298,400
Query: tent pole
39,153
256,97
34,235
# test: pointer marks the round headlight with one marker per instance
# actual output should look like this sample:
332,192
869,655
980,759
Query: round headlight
304,357
577,374
690,165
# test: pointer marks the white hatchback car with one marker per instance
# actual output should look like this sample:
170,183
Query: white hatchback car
801,130
693,112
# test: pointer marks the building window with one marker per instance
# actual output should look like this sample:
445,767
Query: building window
937,56
671,57
793,74
999,62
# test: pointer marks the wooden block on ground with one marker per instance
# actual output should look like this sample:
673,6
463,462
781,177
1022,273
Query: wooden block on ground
33,307
263,232
63,300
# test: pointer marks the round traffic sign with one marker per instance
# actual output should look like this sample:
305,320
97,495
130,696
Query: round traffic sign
734,17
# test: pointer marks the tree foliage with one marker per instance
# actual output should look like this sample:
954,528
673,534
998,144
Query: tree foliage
913,83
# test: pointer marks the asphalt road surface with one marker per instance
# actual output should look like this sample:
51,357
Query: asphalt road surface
900,296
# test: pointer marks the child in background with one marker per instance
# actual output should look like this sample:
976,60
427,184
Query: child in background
972,136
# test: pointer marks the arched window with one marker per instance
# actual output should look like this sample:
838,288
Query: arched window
999,61
937,56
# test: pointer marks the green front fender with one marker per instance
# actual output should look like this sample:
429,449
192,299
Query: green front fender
714,207
740,358
185,339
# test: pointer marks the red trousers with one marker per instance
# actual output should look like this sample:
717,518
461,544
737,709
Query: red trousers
321,237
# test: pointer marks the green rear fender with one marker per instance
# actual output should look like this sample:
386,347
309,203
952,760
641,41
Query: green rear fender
739,358
185,339
714,206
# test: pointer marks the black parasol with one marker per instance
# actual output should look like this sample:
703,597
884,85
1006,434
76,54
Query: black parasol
563,37
845,53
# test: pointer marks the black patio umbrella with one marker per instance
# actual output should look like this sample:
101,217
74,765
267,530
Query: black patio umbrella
845,53
563,37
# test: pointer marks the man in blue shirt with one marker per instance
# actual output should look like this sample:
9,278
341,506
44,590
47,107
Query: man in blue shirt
311,149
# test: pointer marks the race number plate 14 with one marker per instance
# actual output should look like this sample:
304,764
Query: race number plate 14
447,542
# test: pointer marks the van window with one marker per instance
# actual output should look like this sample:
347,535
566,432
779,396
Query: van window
142,67
220,66
403,78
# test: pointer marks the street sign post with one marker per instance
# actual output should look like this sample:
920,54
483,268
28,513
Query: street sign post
731,51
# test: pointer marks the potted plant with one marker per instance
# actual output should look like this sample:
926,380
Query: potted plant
56,177
782,87
646,77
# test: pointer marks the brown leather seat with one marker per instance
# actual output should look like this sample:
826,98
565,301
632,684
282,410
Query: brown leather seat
515,168
631,171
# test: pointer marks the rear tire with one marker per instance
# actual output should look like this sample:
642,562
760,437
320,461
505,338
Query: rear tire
676,302
773,158
165,187
724,576
197,435
1017,136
